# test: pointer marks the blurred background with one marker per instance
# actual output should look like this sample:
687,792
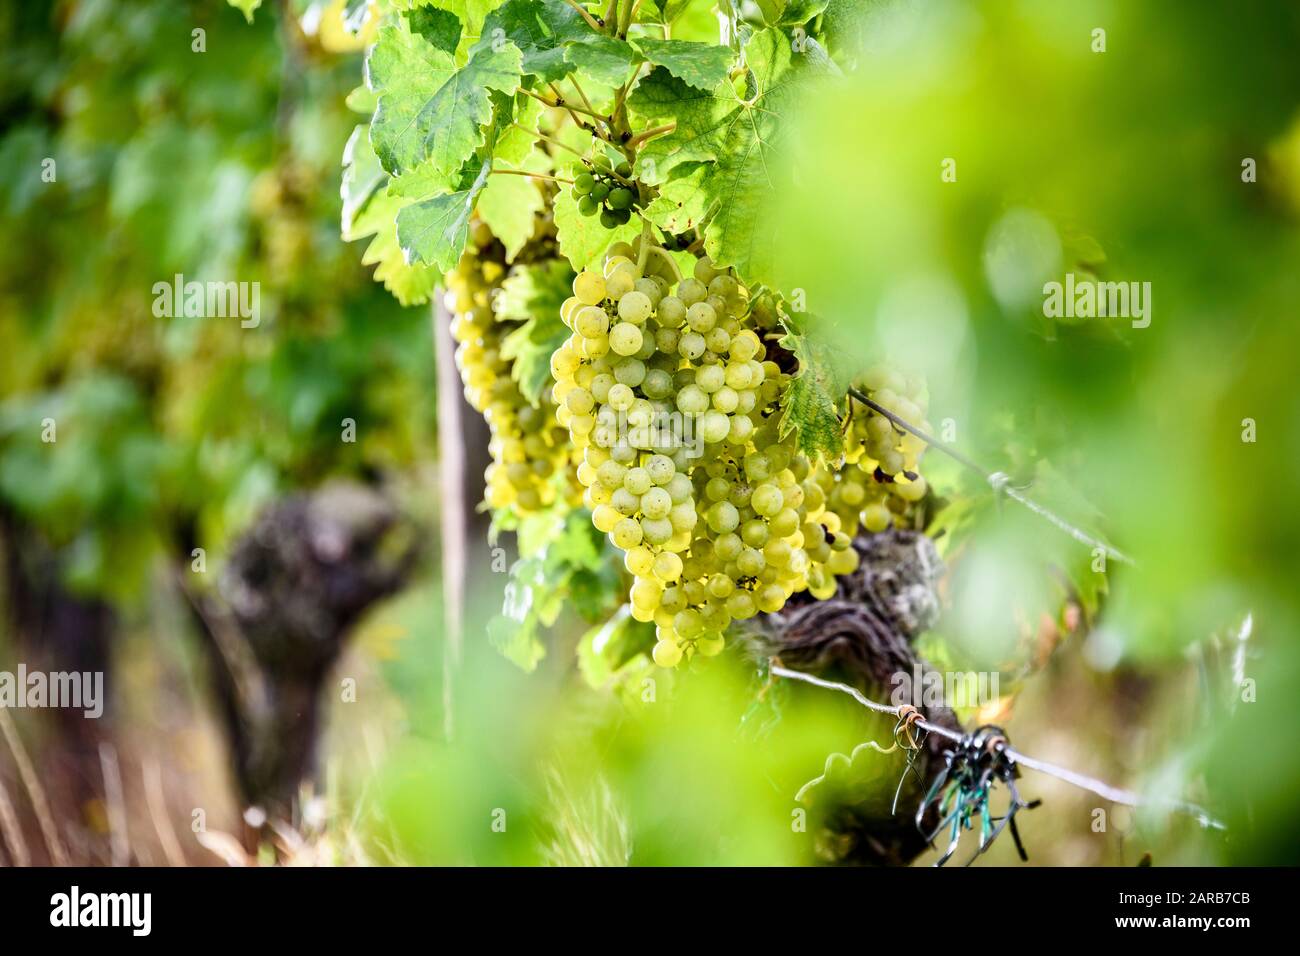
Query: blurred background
968,154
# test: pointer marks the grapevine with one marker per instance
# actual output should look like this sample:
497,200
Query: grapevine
686,408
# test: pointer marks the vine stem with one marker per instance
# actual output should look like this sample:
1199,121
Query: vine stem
591,21
999,481
543,136
560,103
569,108
582,95
672,263
647,237
626,16
524,172
1100,788
644,135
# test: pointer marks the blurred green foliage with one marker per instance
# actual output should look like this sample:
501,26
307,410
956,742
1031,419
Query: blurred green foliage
148,140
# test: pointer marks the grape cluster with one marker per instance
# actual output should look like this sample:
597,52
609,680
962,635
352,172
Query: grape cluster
881,481
600,188
669,393
527,446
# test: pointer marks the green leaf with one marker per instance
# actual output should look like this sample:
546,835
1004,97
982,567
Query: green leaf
410,284
534,293
370,210
509,205
434,231
669,10
606,648
566,564
513,632
583,240
534,289
246,7
739,136
362,100
362,175
702,65
429,112
472,13
793,13
530,347
812,398
540,29
515,142
684,200
606,59
441,28
579,545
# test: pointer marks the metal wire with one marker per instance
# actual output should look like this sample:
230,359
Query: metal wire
998,481
1100,788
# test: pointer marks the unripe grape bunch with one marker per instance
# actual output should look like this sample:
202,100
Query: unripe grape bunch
602,189
530,453
668,391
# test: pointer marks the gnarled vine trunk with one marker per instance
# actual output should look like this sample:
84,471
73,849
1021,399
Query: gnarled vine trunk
294,586
863,636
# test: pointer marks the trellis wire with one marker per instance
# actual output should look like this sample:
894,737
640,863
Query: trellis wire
1100,788
999,481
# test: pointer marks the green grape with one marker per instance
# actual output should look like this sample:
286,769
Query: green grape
589,288
667,653
625,339
626,534
635,307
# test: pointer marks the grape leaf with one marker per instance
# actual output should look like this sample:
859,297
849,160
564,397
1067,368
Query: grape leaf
410,284
792,13
362,175
513,632
812,398
362,100
607,59
739,136
684,200
607,647
429,112
509,204
434,230
533,289
516,142
531,347
472,13
566,564
369,210
441,28
541,29
246,7
701,65
533,295
668,10
582,238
